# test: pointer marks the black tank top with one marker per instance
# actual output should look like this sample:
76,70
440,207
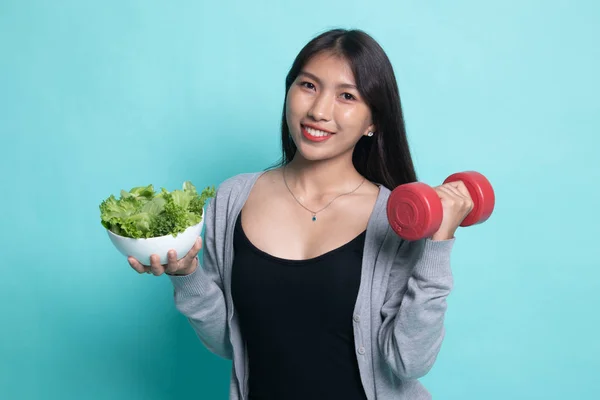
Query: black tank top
296,319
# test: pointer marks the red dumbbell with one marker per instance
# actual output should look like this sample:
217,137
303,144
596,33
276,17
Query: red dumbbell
414,209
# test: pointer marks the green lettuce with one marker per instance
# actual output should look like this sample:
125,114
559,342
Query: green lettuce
144,213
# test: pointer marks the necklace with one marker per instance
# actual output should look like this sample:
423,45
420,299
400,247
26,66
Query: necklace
314,213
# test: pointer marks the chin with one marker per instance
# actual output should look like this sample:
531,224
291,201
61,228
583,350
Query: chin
312,154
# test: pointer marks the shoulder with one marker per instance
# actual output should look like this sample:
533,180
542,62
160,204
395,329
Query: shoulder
236,185
238,182
230,190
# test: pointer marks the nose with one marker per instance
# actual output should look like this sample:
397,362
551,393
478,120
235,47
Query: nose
322,107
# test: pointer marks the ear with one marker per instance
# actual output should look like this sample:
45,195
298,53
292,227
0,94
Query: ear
372,128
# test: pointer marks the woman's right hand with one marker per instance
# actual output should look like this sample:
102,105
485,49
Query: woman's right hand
174,266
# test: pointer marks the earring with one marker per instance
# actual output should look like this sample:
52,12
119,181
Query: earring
370,134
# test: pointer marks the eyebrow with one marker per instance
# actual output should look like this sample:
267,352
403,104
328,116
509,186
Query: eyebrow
315,78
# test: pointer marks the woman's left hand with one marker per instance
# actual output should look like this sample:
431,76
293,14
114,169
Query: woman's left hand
456,205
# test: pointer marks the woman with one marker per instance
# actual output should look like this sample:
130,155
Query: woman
303,284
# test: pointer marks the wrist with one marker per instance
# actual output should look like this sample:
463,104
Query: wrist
438,236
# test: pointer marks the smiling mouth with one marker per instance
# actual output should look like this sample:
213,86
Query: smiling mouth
315,135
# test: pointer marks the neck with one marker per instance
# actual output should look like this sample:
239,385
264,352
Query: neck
313,179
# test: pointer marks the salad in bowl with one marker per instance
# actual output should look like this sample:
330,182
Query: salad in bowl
143,221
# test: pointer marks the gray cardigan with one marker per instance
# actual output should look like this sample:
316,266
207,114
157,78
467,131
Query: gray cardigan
399,314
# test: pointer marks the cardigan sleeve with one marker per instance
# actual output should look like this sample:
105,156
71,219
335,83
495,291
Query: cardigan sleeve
199,296
414,308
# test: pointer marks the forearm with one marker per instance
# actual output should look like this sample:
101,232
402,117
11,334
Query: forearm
202,301
413,327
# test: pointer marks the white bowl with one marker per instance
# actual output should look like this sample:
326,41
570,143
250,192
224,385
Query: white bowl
142,249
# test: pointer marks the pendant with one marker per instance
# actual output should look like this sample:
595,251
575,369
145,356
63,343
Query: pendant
314,217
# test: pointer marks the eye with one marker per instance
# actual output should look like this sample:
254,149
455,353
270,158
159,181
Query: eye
307,85
348,96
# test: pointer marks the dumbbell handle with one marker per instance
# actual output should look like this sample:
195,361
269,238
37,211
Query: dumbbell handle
481,192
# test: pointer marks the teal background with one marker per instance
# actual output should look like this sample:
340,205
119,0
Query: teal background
96,97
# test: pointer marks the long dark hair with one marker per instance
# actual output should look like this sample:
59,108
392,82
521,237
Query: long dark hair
385,157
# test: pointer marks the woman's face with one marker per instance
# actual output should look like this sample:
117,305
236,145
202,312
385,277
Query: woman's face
325,113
